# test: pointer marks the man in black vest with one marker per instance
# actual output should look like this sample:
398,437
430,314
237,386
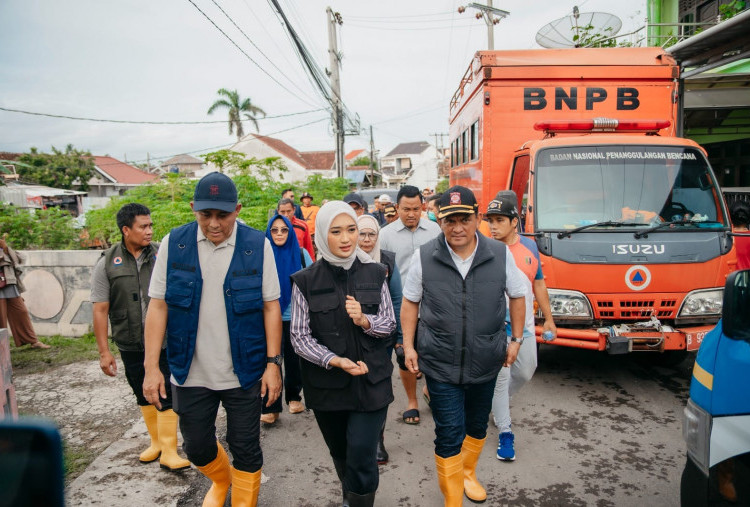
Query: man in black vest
119,292
455,286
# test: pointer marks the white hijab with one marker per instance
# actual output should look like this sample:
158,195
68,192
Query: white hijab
327,213
370,222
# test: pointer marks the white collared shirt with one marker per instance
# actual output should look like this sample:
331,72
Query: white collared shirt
402,241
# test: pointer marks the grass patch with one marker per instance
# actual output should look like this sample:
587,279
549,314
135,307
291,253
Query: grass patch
75,460
64,351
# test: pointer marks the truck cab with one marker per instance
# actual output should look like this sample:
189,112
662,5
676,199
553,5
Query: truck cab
716,424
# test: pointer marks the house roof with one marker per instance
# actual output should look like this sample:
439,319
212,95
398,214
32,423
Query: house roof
319,160
283,148
182,159
358,168
120,172
409,148
353,154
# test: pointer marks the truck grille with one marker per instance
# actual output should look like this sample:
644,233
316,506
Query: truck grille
635,309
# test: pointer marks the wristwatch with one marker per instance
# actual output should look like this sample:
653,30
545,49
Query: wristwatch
277,360
517,340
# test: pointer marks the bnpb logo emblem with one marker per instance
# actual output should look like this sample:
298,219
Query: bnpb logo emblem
117,261
637,277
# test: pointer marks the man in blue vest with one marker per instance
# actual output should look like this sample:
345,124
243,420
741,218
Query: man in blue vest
455,286
214,296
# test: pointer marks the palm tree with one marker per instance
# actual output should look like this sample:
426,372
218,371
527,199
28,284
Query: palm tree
231,101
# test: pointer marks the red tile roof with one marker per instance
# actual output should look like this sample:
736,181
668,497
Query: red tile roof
283,148
353,154
319,160
122,172
358,168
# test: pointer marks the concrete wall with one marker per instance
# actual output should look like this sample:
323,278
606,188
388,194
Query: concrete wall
58,285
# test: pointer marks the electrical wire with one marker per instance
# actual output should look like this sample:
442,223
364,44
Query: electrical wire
246,55
259,50
136,122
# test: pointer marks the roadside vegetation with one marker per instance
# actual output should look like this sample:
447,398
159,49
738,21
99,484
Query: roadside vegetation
64,350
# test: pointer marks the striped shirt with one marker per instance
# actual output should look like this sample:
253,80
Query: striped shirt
310,349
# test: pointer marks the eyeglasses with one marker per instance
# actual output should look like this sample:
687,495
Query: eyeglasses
368,235
276,230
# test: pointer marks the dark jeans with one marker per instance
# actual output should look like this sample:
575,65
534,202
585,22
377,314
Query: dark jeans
459,410
353,437
134,372
197,408
292,376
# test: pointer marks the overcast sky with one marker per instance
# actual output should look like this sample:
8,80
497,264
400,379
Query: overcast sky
162,60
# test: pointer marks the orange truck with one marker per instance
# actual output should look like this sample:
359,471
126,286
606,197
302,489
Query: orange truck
630,223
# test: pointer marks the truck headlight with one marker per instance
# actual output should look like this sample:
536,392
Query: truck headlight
696,431
701,303
569,303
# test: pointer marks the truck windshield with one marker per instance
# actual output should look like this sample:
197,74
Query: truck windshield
588,185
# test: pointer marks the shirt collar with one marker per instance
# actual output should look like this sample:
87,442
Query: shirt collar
230,241
420,225
457,257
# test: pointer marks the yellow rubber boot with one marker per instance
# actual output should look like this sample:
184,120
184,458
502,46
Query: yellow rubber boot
154,450
167,427
470,450
450,472
245,488
219,471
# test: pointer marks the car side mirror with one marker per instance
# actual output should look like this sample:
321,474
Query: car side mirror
31,463
736,307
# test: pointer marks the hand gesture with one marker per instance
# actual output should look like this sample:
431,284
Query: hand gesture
354,309
153,386
511,354
270,383
108,364
349,366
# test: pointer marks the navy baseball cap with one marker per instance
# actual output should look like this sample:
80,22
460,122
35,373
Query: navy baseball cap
215,191
354,197
457,199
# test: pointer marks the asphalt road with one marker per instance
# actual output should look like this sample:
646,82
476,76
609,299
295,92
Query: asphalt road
591,429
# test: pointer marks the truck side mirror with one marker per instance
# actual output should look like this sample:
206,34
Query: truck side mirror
735,314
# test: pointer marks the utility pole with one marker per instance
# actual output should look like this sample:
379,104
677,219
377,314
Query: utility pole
491,15
334,18
372,159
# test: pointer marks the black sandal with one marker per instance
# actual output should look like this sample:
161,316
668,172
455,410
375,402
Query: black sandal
412,414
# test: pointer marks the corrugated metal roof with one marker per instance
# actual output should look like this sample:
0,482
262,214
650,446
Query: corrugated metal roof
409,148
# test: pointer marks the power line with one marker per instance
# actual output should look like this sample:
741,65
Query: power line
137,122
411,29
259,50
444,13
246,55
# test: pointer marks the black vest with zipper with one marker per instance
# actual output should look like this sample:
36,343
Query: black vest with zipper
325,288
127,286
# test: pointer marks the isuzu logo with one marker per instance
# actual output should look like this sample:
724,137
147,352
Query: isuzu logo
637,249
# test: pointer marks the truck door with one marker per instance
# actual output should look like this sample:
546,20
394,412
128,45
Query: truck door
519,183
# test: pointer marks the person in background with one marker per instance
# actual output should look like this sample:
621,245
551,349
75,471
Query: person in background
309,211
404,237
502,215
433,207
119,292
390,213
288,193
740,213
455,289
369,242
286,208
13,312
342,317
290,258
215,298
380,203
357,203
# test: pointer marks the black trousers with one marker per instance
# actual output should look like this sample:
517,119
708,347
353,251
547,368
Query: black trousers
292,375
197,408
134,372
353,437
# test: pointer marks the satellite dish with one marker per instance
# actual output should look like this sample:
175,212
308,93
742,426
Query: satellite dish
578,29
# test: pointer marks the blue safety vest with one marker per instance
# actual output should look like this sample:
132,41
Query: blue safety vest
243,300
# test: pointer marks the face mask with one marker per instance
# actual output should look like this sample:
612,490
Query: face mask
431,216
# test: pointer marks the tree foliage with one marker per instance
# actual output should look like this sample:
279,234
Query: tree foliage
169,199
45,229
59,169
230,100
364,160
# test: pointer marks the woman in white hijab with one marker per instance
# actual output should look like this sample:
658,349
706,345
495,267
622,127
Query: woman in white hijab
342,319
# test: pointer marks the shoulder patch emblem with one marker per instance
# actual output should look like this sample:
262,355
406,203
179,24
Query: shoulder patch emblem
117,261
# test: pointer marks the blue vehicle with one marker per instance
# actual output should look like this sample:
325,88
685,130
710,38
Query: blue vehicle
716,426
